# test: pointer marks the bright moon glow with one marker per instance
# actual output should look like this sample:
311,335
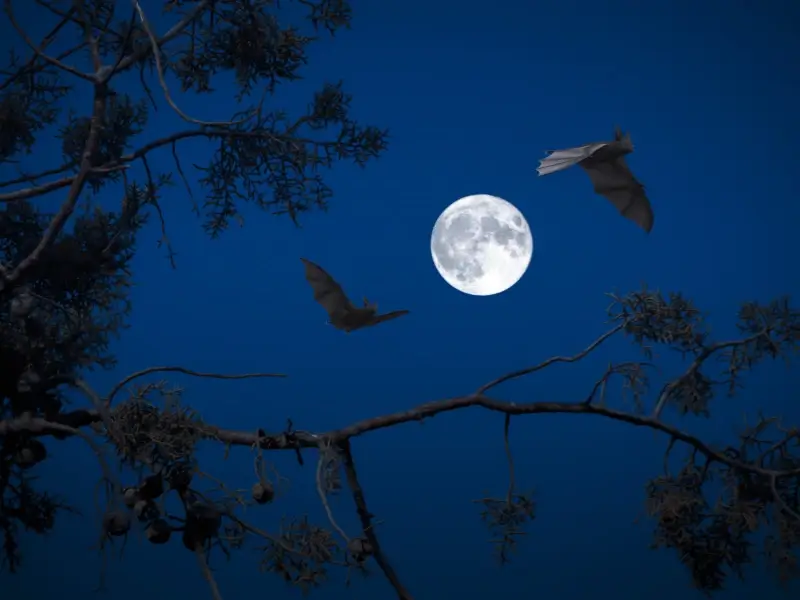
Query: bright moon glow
481,245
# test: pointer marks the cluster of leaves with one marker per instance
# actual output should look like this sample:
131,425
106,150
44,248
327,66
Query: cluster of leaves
58,322
279,172
122,119
706,540
161,435
770,331
506,519
269,158
23,507
75,299
300,553
650,318
715,539
28,104
160,438
756,483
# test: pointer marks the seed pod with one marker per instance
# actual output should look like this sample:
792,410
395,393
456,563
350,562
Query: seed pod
151,487
116,523
158,532
146,510
263,493
179,479
21,305
202,523
130,496
31,453
360,548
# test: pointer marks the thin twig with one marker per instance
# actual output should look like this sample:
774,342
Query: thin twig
39,50
368,526
510,458
88,37
207,574
52,186
701,358
555,359
173,32
781,503
160,72
323,496
31,424
68,206
115,390
32,66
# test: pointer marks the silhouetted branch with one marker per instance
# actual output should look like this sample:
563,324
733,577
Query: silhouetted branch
39,50
115,390
145,435
555,359
76,187
160,72
694,367
433,408
367,525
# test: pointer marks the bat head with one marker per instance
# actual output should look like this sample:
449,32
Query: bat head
623,140
373,308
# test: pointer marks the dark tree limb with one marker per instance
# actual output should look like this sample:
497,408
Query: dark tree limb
76,187
763,477
115,390
426,410
39,50
303,439
367,525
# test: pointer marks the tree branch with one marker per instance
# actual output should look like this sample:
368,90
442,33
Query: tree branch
31,67
694,367
367,525
115,390
51,186
39,51
149,147
555,359
303,439
108,72
154,45
68,206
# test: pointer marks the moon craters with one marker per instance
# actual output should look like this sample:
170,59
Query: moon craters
481,245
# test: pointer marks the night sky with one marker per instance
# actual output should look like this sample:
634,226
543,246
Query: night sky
473,94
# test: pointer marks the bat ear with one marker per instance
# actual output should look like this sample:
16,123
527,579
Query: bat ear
617,133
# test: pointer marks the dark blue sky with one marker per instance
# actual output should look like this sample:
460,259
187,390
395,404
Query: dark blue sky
474,93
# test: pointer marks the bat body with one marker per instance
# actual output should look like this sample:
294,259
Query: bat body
342,313
610,175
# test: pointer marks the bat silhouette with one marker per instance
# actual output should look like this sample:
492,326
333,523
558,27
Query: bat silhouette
342,313
611,177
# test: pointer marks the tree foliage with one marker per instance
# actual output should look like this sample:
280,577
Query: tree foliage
65,278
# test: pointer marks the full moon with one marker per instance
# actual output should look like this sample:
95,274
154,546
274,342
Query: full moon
481,245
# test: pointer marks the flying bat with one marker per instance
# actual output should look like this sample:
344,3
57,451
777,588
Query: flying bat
342,313
611,177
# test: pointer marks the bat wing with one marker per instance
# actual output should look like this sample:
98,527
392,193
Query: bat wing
327,292
613,180
386,317
558,160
